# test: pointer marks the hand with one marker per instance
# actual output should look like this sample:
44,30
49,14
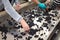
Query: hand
42,5
48,1
25,25
17,7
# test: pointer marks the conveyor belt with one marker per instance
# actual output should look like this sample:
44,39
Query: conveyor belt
41,24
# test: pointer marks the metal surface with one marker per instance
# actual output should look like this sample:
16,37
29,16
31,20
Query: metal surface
31,16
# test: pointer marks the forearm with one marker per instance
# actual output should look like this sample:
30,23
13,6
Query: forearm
36,1
11,11
48,1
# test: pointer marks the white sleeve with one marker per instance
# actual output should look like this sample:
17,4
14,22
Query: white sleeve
11,11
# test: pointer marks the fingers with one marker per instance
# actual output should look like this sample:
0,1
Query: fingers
27,29
25,25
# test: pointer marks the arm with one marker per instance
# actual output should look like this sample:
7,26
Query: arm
36,1
48,1
41,5
11,11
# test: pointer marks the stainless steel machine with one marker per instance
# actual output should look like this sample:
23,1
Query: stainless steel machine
42,24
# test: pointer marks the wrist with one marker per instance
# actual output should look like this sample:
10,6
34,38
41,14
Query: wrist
37,2
23,22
